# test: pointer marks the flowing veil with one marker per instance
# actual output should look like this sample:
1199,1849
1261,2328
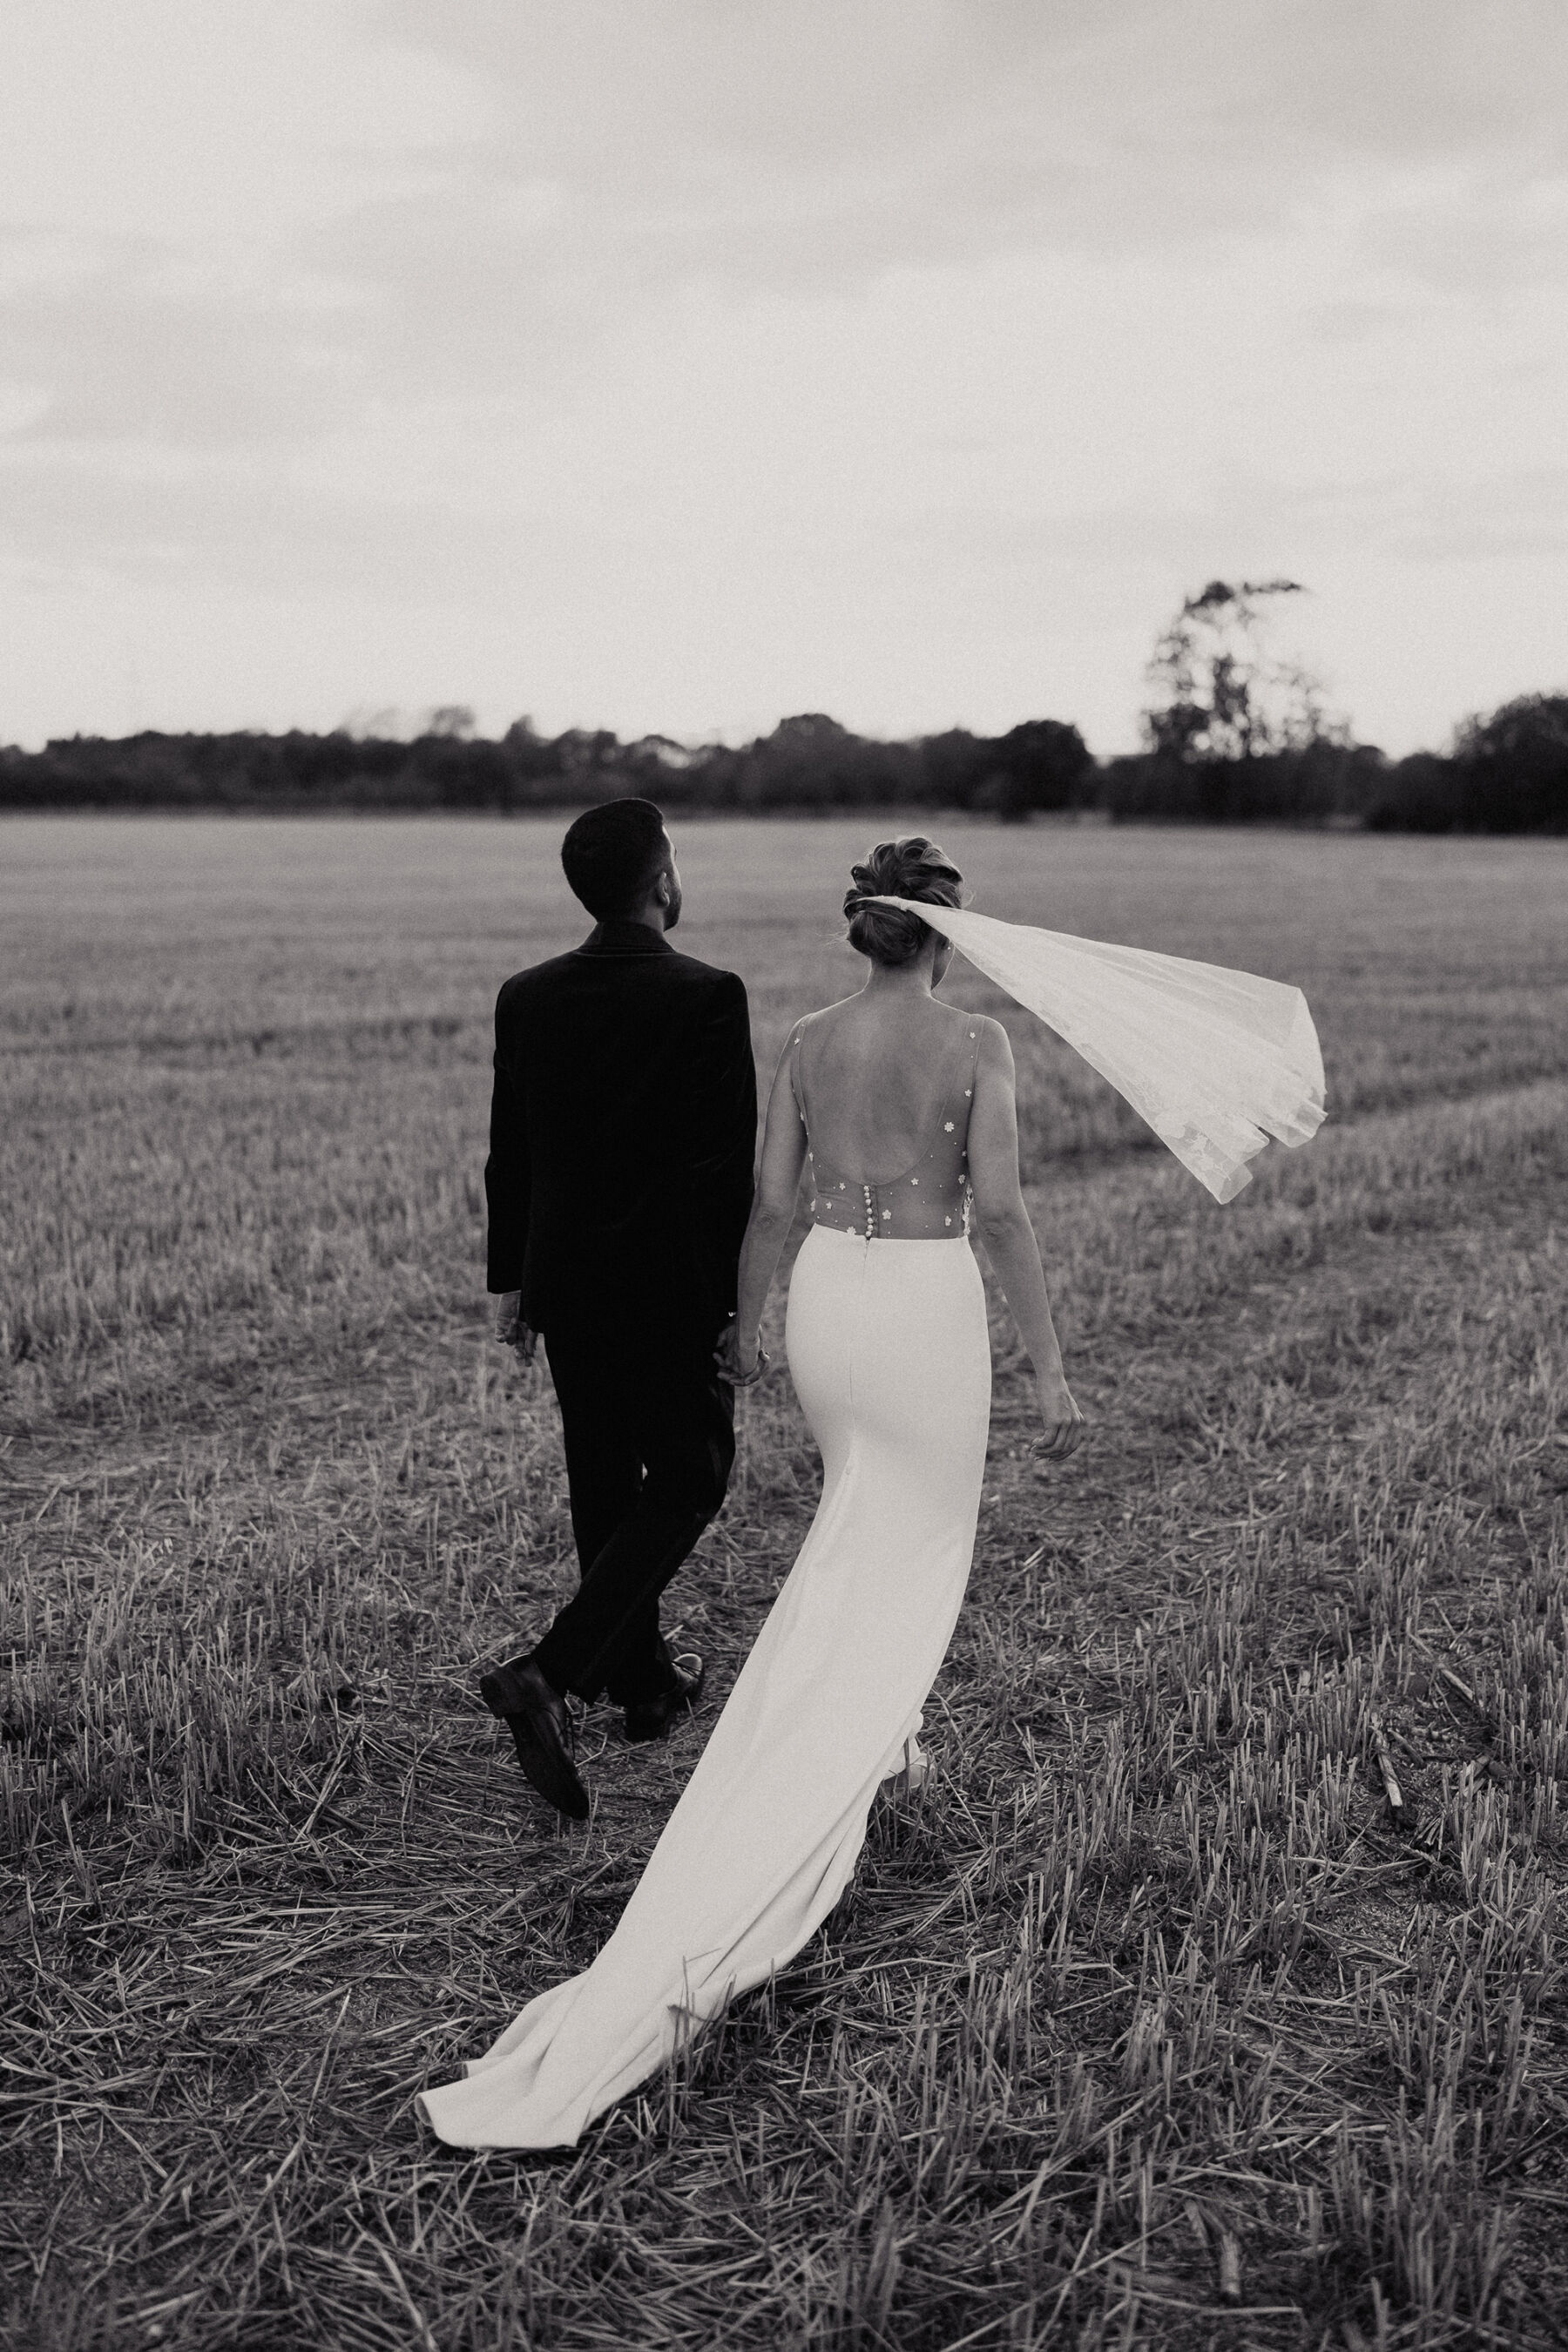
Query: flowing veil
1215,1061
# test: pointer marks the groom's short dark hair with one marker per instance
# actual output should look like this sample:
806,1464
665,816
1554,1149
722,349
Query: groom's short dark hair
612,854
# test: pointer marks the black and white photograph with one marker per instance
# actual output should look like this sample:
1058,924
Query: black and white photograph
783,1152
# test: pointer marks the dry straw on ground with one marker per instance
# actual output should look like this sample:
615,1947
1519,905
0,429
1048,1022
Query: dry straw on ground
1150,2024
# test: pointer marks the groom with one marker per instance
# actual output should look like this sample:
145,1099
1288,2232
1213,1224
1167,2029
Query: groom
623,1127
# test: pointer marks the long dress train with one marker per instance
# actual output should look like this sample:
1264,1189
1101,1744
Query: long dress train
890,1354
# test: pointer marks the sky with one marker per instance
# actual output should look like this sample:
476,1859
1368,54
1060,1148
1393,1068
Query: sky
678,365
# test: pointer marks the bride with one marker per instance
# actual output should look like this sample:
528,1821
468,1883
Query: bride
899,1111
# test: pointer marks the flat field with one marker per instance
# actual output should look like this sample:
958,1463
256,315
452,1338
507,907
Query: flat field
1150,2023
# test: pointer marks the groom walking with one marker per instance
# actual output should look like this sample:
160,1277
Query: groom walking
623,1126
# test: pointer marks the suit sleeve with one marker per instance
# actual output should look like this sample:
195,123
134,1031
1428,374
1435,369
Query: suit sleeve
723,1121
506,1170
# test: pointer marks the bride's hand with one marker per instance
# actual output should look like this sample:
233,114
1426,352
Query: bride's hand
1063,1423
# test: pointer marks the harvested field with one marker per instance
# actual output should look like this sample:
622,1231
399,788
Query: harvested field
1153,2023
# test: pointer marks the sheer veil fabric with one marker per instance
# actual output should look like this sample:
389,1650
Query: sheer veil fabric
1215,1061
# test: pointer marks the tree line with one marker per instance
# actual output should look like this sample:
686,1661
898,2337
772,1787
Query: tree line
1504,773
1233,735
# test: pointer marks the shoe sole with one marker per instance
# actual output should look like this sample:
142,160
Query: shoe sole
542,1769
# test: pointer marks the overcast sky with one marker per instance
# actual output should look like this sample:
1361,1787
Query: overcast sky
677,364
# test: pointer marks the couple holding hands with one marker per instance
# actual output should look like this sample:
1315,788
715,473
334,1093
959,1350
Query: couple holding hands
630,1227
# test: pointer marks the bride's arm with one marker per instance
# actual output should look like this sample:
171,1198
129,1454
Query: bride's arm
1003,1223
773,1213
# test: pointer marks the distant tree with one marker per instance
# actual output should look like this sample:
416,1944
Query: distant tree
1039,765
953,767
1512,770
1419,794
583,752
810,760
661,752
453,721
1218,691
528,773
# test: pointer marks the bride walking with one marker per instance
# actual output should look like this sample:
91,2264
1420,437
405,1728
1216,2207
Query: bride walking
899,1109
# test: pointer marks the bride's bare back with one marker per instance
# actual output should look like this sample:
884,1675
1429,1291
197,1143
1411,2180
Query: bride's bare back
872,1077
885,1088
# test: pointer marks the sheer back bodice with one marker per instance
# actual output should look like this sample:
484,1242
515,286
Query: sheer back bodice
928,1201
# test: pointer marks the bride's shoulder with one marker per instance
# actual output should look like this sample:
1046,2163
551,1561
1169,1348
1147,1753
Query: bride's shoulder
993,1047
980,1025
821,1018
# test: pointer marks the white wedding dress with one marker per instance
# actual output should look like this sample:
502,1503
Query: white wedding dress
890,1357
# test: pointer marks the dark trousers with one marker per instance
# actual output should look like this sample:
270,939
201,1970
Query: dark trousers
649,1429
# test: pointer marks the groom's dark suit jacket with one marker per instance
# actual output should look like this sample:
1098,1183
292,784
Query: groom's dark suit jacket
623,1127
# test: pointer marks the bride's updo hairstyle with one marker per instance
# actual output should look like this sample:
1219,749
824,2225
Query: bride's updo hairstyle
910,868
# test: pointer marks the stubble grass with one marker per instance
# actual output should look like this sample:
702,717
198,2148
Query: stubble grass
1150,2023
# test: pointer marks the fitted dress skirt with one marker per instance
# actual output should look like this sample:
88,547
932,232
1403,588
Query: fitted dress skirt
890,1358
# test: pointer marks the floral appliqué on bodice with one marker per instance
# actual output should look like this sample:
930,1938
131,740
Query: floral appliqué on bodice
933,1200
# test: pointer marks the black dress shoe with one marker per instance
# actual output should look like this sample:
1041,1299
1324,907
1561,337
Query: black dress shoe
535,1713
650,1718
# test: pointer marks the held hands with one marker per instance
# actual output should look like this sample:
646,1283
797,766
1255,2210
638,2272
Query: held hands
741,1366
1064,1424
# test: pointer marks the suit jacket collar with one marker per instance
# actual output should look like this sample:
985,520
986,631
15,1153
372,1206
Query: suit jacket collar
617,937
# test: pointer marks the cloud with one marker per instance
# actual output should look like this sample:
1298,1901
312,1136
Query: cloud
647,362
181,124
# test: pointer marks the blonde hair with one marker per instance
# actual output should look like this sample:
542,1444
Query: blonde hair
909,868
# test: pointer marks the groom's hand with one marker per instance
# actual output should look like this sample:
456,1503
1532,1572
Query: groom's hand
511,1330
